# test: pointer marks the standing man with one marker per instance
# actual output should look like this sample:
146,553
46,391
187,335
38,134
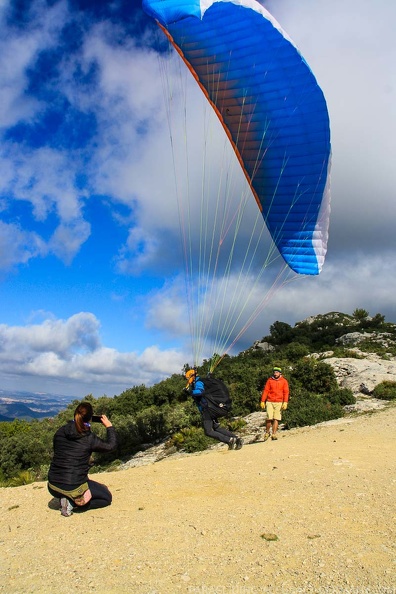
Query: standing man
274,399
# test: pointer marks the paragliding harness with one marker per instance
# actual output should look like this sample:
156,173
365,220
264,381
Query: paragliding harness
217,397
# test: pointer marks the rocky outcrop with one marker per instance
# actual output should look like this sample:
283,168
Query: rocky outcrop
370,371
339,318
263,345
384,339
361,375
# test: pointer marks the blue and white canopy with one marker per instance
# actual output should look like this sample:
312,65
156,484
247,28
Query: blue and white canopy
271,108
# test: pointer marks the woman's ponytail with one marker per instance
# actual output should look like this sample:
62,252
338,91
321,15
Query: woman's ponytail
83,414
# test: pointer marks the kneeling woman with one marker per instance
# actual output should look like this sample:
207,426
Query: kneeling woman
68,474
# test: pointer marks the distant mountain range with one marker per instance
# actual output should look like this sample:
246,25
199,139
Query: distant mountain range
31,405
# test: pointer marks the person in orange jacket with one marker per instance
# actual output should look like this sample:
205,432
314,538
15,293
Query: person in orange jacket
274,399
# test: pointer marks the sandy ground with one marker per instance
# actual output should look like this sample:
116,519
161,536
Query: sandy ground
195,524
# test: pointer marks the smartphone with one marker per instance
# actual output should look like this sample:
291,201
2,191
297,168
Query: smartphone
96,419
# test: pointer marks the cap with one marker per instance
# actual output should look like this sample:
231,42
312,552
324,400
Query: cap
277,369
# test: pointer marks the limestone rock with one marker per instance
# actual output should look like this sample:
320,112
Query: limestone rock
368,371
264,346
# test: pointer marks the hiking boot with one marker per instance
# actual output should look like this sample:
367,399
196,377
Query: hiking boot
231,443
239,443
274,436
66,507
266,436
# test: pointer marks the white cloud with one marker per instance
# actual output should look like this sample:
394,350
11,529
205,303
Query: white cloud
68,353
218,310
18,246
67,239
19,49
44,179
342,286
61,337
128,105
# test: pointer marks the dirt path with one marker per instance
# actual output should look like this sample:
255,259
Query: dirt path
194,524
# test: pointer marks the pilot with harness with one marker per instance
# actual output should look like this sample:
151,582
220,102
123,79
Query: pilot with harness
212,399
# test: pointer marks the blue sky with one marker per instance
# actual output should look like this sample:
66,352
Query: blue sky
91,295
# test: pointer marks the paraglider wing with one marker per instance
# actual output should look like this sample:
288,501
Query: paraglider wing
272,110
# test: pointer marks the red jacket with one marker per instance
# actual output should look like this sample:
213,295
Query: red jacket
276,390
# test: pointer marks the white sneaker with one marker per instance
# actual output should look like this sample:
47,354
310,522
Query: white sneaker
66,507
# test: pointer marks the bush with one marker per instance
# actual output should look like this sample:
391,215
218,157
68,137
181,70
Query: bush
191,439
313,376
21,452
385,391
42,472
182,415
295,351
360,314
25,477
128,438
343,397
245,397
309,409
235,425
151,423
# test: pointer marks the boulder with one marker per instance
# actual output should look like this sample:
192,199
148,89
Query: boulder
264,346
368,371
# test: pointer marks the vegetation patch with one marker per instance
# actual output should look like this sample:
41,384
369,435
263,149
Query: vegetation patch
385,391
144,416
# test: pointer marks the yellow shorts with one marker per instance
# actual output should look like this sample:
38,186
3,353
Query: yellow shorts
274,410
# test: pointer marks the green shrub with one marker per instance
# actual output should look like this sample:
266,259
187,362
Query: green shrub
309,409
295,351
313,376
235,425
181,415
42,472
342,396
245,397
24,477
15,427
191,439
373,346
114,466
385,390
21,452
128,438
151,423
360,314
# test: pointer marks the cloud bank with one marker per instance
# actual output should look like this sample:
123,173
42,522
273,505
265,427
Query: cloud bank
68,357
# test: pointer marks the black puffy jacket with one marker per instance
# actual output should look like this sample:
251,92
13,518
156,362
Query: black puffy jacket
72,451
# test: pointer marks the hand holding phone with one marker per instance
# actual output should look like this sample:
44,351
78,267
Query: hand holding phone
101,419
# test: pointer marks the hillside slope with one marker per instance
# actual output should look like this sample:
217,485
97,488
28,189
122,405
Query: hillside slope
195,523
